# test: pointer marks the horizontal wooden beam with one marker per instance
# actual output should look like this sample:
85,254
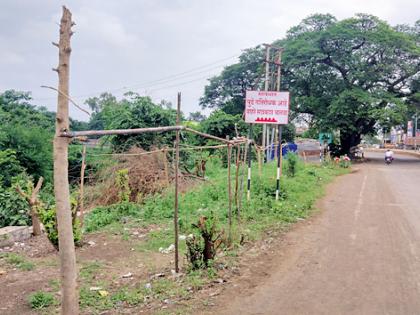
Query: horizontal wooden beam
87,133
205,135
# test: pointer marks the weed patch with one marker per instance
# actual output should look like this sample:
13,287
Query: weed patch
17,261
41,299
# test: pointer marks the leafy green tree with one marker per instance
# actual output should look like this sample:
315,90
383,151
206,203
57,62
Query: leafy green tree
9,167
353,75
136,111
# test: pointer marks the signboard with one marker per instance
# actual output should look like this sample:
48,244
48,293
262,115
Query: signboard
267,107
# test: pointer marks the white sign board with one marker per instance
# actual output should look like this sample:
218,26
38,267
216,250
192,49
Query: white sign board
267,107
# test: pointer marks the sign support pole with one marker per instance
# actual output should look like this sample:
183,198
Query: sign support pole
280,129
248,193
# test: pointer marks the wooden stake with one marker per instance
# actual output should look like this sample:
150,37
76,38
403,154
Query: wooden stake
68,269
82,186
165,164
178,122
229,157
241,185
238,166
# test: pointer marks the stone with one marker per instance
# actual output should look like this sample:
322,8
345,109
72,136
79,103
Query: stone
10,235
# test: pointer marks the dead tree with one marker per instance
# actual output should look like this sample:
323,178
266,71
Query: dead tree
68,270
33,201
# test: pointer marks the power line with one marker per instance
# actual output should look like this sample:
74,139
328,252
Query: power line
184,74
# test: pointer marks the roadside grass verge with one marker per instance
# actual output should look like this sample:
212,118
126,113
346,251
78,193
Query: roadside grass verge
298,193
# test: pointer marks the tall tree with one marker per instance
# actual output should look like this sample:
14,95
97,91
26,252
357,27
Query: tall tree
353,75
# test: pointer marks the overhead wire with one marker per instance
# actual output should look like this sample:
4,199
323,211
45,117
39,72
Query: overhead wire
169,78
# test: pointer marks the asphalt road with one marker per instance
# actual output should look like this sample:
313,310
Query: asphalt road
361,255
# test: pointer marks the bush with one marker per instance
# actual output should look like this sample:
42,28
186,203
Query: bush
41,299
48,218
14,209
292,163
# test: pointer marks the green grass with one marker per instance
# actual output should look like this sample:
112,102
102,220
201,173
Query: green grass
17,261
41,299
299,191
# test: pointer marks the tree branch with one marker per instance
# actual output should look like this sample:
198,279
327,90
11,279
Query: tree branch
68,97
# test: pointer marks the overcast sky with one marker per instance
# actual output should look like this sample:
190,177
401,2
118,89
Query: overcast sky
122,45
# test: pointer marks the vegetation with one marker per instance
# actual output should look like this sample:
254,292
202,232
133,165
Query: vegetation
17,261
41,299
354,75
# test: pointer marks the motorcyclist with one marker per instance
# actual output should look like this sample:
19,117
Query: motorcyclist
389,154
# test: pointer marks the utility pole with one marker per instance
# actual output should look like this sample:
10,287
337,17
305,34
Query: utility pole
266,86
68,269
280,129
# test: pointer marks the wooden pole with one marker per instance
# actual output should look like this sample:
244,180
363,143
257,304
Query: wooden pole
266,86
82,186
241,185
238,163
87,133
229,157
165,164
205,135
260,157
68,269
178,122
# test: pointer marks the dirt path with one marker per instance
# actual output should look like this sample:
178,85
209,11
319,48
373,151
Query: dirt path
361,255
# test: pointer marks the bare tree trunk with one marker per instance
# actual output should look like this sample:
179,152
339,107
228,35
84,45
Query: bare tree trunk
68,269
32,199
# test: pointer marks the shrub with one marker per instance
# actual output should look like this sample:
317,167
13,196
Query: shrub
41,299
122,181
14,209
292,162
48,218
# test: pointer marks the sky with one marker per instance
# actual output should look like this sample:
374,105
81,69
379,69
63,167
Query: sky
153,47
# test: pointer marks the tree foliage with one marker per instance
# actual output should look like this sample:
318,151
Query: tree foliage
133,111
354,75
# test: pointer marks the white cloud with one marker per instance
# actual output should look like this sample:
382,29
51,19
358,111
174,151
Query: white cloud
124,43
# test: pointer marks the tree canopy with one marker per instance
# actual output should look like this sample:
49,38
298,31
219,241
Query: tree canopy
354,75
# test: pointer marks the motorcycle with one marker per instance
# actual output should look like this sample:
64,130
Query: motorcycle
388,160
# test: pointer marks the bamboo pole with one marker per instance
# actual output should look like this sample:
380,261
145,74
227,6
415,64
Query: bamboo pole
229,156
68,269
165,164
87,133
82,184
241,186
238,161
205,135
178,121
